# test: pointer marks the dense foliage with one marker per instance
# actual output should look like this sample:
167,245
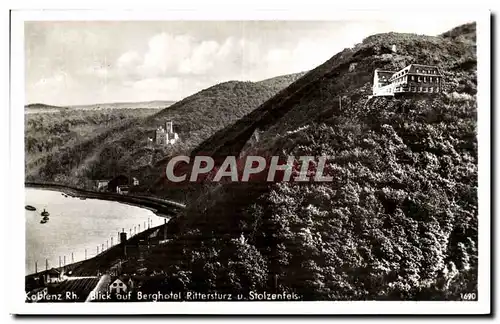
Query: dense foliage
48,133
400,219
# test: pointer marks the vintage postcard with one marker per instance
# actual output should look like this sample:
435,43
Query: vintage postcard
277,163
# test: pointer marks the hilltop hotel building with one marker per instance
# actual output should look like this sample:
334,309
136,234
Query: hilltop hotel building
413,78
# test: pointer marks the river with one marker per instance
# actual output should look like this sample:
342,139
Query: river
76,225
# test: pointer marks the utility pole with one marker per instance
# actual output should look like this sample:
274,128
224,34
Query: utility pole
60,261
72,258
165,229
85,254
46,264
64,264
36,267
111,240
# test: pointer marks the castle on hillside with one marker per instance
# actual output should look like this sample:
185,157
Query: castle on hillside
165,136
413,78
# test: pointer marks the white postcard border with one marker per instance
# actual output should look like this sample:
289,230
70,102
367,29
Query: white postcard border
15,174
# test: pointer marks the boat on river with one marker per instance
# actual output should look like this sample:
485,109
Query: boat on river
29,207
46,218
43,221
45,213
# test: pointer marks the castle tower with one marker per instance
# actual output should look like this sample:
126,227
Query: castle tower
160,136
165,136
169,127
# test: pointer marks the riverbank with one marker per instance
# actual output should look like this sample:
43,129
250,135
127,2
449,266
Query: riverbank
161,207
104,261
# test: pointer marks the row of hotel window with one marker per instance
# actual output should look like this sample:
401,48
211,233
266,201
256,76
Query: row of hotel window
427,71
418,79
415,89
417,71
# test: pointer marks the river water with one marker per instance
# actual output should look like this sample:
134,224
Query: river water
76,225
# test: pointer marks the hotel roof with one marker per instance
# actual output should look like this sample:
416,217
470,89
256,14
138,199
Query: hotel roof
424,69
384,73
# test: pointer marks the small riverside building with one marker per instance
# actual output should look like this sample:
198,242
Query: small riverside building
118,287
102,184
122,190
123,181
53,276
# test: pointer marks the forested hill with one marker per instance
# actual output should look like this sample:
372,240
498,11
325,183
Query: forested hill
332,79
123,148
464,33
41,106
400,219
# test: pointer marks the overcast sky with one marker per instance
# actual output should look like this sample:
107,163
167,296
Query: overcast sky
72,63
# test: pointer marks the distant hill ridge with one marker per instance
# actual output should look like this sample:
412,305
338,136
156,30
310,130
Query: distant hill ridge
118,105
42,106
108,105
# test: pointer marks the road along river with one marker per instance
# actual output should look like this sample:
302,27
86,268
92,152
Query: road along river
78,227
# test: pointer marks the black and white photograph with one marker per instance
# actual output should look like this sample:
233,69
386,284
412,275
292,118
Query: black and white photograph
229,161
